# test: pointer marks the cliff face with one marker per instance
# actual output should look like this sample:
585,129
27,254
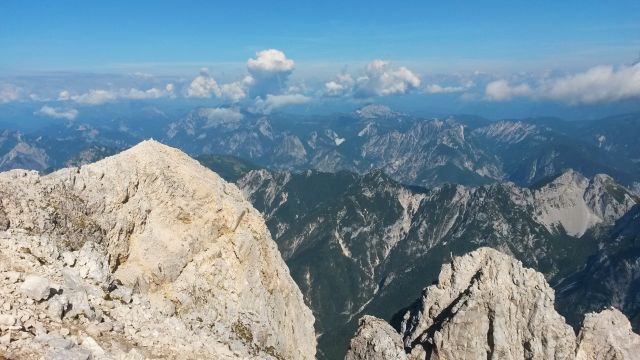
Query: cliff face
487,305
143,254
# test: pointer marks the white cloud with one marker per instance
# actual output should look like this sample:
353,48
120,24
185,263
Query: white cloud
269,61
599,84
439,89
64,95
56,113
237,90
380,78
95,97
342,85
136,94
268,74
272,102
220,116
269,71
9,93
501,90
99,96
203,86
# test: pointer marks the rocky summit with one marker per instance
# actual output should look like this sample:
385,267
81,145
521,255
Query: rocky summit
486,305
146,254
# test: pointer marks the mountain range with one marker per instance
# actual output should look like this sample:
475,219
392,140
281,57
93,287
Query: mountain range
413,150
360,244
365,206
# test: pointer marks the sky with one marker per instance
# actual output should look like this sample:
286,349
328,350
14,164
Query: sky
494,51
448,35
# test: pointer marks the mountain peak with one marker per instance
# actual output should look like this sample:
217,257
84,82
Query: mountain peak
187,263
487,305
374,111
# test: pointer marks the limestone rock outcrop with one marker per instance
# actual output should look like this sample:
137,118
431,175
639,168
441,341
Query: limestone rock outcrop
486,305
145,254
376,339
607,335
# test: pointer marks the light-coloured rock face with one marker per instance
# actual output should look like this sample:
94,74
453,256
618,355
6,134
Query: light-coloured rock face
376,339
607,335
577,203
163,251
485,305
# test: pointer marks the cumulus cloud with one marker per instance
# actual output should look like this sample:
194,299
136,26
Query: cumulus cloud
268,62
237,90
9,93
268,74
203,86
342,85
269,71
501,90
598,84
95,97
56,113
272,102
136,94
380,78
220,116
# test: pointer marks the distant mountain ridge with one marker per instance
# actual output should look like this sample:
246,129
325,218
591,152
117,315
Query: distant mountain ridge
464,150
358,244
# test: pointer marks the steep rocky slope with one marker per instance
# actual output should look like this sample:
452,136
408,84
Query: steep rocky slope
360,244
143,254
487,305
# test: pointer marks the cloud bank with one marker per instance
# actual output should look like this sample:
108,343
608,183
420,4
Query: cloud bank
101,96
501,90
599,84
56,113
272,102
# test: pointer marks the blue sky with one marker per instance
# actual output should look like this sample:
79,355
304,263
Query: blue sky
431,35
264,56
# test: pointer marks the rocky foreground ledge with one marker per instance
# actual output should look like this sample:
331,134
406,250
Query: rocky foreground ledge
145,254
486,305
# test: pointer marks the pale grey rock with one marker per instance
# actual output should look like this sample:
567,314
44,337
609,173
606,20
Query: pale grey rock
7,320
486,305
163,305
12,277
75,353
79,305
57,306
152,224
376,339
90,344
607,335
36,287
68,258
5,339
122,293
